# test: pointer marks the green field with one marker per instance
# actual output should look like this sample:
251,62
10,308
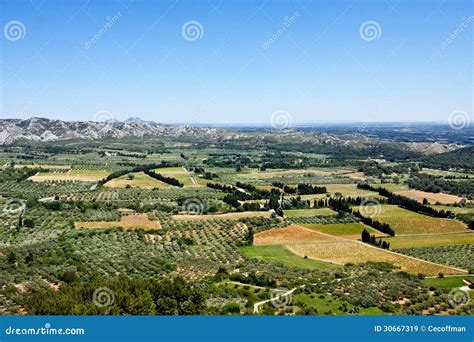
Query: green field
448,283
139,180
280,255
179,173
430,240
309,212
83,175
445,173
343,229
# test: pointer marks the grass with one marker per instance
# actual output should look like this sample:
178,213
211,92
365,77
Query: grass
309,212
281,255
140,180
180,174
353,230
447,283
430,240
404,221
83,175
392,187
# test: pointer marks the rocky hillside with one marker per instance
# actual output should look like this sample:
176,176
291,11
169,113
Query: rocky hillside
41,129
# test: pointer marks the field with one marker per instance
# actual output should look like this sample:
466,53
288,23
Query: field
405,222
63,227
309,212
180,173
456,255
136,180
280,254
343,252
323,247
448,283
351,231
430,240
446,173
183,217
134,221
432,198
82,175
289,235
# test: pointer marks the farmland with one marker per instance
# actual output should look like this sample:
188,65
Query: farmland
234,224
406,222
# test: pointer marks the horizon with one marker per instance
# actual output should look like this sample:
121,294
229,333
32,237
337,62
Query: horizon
251,63
249,124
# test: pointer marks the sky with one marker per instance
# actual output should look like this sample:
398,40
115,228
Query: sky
236,62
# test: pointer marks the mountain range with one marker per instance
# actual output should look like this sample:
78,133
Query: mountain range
42,129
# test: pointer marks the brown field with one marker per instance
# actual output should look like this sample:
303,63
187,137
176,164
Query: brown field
320,246
430,196
135,221
185,217
290,235
343,251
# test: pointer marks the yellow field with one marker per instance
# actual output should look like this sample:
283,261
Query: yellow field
408,222
431,197
342,252
140,180
350,231
222,216
135,221
81,175
430,240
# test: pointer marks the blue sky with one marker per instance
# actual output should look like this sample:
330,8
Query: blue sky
250,59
